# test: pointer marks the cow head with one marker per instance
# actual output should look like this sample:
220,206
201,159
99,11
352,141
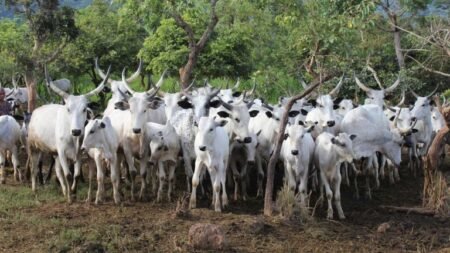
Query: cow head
94,134
422,106
140,103
344,146
376,96
76,106
294,136
205,137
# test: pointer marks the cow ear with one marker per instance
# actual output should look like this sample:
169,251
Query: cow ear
258,133
392,118
286,136
313,102
102,125
388,97
154,104
222,123
236,94
335,107
269,114
17,117
355,105
106,89
304,112
121,105
253,113
352,137
215,103
293,113
280,99
94,105
184,104
223,114
301,123
166,148
415,130
337,100
432,103
310,129
333,140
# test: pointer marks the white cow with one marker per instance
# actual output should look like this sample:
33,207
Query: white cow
102,142
9,141
211,147
329,153
129,122
57,129
164,147
297,154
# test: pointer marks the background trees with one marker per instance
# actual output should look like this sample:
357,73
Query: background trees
275,42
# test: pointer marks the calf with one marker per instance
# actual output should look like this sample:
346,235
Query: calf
164,147
297,154
212,150
9,139
330,152
102,142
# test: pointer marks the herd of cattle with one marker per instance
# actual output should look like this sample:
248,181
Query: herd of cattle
223,131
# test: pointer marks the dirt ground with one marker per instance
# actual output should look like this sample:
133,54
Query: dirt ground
47,224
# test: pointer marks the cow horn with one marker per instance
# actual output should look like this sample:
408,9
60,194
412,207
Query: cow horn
336,89
415,94
101,86
375,76
396,117
125,83
252,91
99,71
135,74
393,86
402,100
14,82
213,94
361,85
50,83
159,83
190,85
238,82
434,91
225,104
10,93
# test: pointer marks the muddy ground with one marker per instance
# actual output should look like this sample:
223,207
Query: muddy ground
47,224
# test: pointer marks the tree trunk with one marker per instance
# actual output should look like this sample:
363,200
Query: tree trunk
268,197
397,42
30,81
186,71
436,192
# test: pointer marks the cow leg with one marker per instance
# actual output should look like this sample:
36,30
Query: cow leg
290,176
100,179
303,186
382,167
15,162
215,181
172,166
243,179
344,169
2,168
236,177
187,165
50,169
337,195
115,179
60,177
39,166
329,194
375,170
67,175
77,176
195,182
154,175
221,179
162,180
91,168
131,168
34,160
143,172
260,178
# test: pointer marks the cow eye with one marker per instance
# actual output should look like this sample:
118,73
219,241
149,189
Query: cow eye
91,132
84,110
237,120
211,129
145,111
68,110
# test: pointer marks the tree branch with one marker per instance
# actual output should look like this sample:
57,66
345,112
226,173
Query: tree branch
212,23
428,69
183,24
55,54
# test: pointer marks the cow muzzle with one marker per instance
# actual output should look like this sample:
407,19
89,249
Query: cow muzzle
202,148
136,130
76,132
330,123
294,152
248,140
